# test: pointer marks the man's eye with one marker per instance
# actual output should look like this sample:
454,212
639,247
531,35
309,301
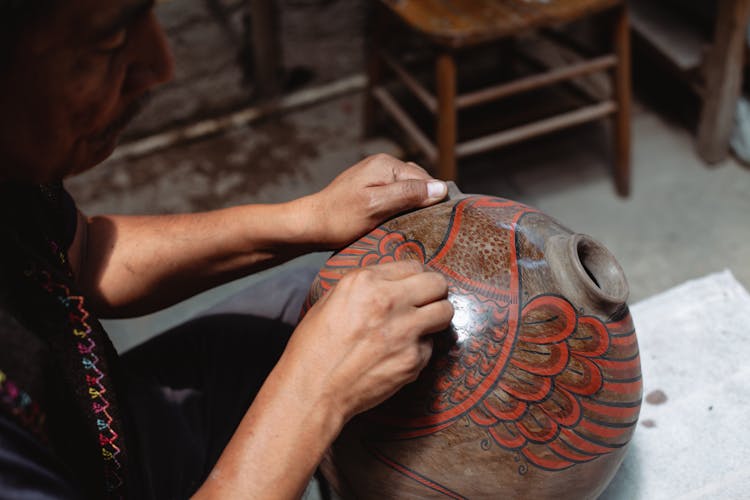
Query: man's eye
113,43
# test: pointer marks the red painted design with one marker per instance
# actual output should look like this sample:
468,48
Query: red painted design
530,374
415,476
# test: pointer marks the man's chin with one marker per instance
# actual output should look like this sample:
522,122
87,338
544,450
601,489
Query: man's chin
107,145
96,152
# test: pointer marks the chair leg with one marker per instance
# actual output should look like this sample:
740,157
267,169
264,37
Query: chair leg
723,80
622,90
447,116
266,46
374,68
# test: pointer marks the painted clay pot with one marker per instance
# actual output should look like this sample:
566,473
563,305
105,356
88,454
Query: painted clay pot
535,389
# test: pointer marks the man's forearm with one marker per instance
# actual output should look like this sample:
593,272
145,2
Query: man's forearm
133,265
280,441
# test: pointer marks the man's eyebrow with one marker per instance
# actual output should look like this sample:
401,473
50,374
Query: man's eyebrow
124,18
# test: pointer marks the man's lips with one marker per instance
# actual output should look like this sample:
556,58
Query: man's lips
119,124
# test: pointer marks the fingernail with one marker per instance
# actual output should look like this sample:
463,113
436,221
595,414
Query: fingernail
436,190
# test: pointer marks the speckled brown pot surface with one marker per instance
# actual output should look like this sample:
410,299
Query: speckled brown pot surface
533,392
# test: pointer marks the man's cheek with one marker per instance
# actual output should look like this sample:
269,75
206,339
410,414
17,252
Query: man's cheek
93,103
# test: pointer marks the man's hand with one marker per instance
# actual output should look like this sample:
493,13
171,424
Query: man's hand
369,336
365,195
358,345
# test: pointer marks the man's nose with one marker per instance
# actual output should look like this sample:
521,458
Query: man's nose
151,61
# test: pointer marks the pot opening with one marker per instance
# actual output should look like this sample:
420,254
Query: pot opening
600,267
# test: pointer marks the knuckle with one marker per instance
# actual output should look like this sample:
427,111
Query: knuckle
348,279
440,282
380,159
382,304
358,282
425,350
375,296
362,275
384,157
411,265
411,375
415,358
419,361
412,191
447,311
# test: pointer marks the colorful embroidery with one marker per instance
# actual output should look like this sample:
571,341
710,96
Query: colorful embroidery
21,406
41,223
93,377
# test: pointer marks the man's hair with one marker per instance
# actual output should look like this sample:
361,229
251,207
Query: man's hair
16,16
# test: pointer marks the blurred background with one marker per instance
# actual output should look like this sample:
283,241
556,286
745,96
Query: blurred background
267,105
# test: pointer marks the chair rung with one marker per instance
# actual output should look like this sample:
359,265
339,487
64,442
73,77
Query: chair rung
561,39
536,81
547,125
424,95
405,122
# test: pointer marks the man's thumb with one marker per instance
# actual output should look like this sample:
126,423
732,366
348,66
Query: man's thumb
436,190
409,194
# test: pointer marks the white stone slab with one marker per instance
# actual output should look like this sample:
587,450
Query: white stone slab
695,348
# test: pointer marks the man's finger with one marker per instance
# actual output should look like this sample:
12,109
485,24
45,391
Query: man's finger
386,169
425,288
397,197
410,171
435,317
398,270
426,346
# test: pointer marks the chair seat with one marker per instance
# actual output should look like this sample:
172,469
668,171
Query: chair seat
457,24
460,23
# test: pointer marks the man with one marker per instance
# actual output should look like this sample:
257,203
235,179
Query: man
77,421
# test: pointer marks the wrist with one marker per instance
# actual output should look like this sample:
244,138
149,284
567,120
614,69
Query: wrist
311,222
319,402
280,441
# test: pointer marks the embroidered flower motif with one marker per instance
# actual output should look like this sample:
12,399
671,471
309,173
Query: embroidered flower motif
20,405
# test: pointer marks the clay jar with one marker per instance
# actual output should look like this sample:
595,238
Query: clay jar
533,392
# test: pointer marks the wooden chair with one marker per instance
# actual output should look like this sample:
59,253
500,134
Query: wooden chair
673,34
450,28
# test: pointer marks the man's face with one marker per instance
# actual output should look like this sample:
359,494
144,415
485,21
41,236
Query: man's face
75,82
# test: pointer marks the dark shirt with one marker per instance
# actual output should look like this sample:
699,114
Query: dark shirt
61,432
28,469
